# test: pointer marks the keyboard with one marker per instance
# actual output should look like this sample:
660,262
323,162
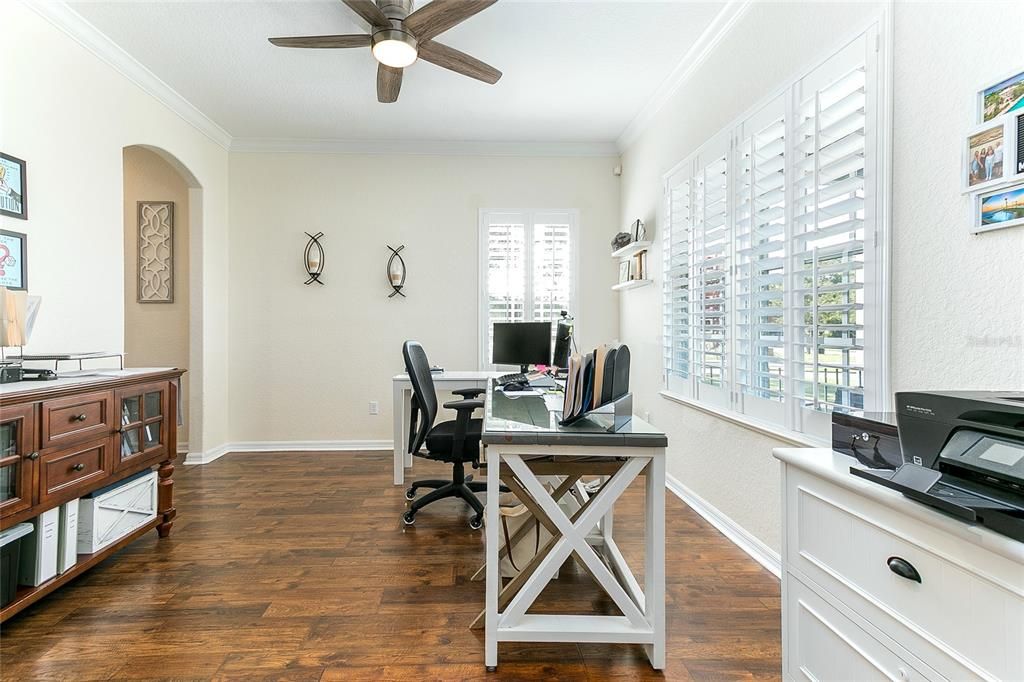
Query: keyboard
517,378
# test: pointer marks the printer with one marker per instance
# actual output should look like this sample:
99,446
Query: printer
963,454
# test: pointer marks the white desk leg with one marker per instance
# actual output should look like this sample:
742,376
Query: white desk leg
493,585
397,405
654,570
406,418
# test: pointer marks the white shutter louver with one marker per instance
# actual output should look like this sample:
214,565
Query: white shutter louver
676,302
709,275
760,242
828,244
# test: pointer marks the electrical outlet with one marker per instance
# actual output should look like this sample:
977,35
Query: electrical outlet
374,407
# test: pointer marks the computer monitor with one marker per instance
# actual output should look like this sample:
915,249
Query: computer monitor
522,343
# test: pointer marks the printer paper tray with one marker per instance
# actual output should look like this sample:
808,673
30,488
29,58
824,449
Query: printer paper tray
882,478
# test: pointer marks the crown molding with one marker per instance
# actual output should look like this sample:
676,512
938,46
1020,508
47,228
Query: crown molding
422,147
688,65
91,38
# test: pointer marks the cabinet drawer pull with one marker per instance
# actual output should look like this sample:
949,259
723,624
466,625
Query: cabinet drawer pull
903,568
32,456
80,417
78,467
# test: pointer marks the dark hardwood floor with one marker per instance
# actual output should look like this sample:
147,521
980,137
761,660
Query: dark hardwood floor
297,566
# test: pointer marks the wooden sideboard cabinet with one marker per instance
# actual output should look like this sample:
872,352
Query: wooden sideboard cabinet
62,439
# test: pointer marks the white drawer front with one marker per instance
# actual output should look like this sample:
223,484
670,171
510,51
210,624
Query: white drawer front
965,617
825,645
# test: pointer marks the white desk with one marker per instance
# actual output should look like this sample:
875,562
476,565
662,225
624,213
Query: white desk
402,396
518,429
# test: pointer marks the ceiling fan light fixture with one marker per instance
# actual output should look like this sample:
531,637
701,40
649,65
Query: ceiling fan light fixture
394,48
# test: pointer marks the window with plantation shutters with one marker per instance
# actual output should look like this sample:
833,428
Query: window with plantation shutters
775,293
528,269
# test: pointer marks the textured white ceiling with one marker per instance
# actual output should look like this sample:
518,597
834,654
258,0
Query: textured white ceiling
573,71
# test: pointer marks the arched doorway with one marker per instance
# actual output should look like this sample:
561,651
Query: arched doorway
162,268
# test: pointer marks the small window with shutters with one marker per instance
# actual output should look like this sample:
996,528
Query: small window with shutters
528,269
774,252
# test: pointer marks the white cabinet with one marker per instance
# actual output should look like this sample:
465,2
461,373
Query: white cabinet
846,608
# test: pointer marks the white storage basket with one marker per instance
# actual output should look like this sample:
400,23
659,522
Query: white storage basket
114,512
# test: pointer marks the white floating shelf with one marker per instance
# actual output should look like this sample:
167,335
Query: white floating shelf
631,249
632,284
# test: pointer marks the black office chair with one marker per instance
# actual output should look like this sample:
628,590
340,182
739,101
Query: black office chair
456,442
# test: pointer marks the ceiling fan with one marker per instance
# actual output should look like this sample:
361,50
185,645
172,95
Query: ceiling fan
399,36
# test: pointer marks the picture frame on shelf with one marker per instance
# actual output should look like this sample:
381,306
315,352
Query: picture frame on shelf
988,151
1003,97
998,209
13,187
624,271
13,260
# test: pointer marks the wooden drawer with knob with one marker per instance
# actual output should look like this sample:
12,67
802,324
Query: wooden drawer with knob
77,418
70,471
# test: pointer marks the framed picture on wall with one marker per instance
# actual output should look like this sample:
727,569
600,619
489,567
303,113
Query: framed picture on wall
13,260
1018,161
13,192
987,155
1004,97
998,209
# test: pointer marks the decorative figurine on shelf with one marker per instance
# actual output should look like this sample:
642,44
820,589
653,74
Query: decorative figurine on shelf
620,240
396,271
313,258
639,230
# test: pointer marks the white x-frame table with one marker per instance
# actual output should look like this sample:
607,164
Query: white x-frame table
643,608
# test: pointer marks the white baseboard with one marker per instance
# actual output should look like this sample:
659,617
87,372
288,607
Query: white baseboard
758,551
250,447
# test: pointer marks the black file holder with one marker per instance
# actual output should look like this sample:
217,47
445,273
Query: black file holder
621,413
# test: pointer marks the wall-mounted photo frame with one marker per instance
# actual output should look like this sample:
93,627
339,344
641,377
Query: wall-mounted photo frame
624,271
13,260
13,187
988,152
1018,161
998,209
1001,98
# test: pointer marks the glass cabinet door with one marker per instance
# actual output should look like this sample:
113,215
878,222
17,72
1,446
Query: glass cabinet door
17,459
143,414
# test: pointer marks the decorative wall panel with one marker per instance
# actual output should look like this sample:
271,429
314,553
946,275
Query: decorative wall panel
156,252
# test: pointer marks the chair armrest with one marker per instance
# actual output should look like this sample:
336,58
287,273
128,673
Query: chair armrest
464,405
465,410
469,392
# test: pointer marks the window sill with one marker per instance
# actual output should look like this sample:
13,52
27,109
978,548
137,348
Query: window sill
785,435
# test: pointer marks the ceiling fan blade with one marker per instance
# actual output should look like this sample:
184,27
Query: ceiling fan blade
369,11
438,16
352,40
389,82
459,62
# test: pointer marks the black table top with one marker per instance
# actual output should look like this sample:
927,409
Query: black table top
526,420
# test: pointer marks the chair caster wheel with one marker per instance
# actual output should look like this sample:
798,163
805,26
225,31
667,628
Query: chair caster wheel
410,493
476,523
492,668
409,518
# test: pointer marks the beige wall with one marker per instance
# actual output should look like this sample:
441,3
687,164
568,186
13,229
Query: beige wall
69,115
957,299
306,360
156,334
